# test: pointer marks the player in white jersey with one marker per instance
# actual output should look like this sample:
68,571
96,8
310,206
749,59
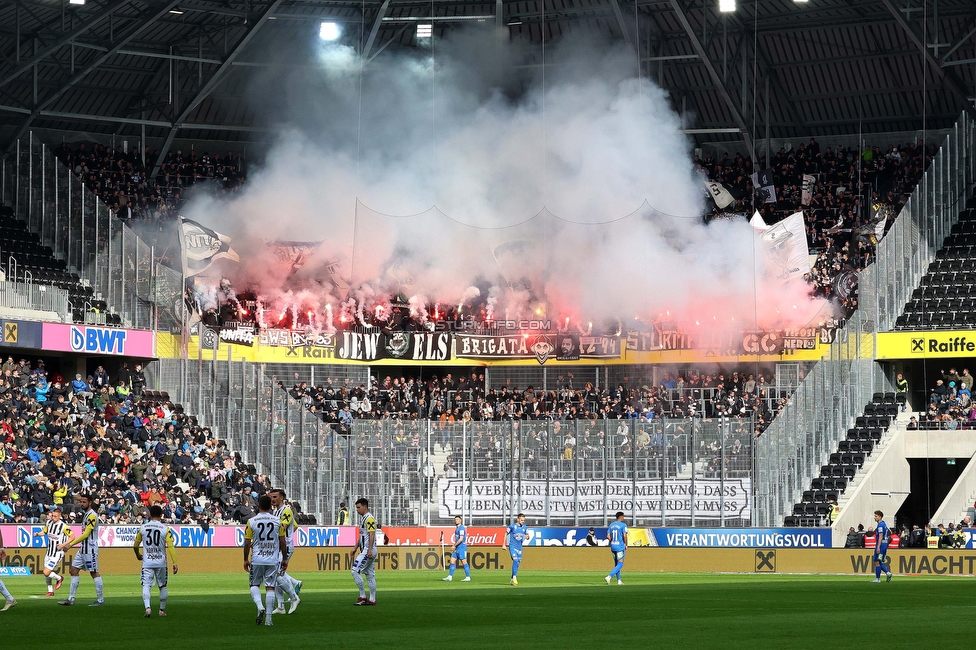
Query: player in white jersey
58,533
364,554
9,601
156,540
265,553
287,587
87,556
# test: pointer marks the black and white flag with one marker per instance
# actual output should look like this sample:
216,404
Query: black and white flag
763,184
807,193
200,247
722,197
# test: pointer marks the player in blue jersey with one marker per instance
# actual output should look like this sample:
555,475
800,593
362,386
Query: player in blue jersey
617,536
459,551
514,536
882,537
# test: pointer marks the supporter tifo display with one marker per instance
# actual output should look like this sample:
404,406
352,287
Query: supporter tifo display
532,348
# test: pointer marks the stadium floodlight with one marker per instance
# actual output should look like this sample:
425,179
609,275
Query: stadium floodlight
328,31
800,2
726,6
76,2
425,30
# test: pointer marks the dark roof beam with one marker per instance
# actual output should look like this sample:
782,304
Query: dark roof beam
150,54
713,74
146,19
624,29
374,30
966,33
214,80
867,56
953,82
391,40
67,38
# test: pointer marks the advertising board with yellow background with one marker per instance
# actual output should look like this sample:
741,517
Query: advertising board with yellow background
121,561
927,345
452,349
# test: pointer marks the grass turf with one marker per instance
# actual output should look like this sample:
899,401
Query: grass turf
547,609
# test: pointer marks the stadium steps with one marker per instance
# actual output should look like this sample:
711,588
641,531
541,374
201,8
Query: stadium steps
852,458
900,423
946,295
17,241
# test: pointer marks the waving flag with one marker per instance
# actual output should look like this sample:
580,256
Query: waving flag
200,247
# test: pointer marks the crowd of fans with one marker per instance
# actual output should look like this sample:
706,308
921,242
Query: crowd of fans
950,403
849,182
104,436
942,536
451,399
151,204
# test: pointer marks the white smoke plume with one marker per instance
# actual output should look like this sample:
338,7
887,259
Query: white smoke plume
576,199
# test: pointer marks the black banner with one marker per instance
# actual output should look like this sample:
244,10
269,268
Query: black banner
541,347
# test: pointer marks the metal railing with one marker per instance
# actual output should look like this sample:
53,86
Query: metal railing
791,451
81,230
29,296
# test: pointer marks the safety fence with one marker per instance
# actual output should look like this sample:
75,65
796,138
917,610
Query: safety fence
83,231
676,472
790,452
29,296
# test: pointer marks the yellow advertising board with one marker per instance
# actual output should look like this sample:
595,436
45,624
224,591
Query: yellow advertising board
168,347
121,561
927,345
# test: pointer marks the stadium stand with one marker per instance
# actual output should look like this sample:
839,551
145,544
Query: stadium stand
122,180
950,403
946,297
23,256
446,399
847,460
837,221
131,447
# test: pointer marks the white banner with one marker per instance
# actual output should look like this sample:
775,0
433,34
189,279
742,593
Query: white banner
493,499
785,245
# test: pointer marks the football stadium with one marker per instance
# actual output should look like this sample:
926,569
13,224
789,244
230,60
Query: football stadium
643,321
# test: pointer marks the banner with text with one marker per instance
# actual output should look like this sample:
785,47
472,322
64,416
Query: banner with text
98,340
115,536
541,347
742,538
562,498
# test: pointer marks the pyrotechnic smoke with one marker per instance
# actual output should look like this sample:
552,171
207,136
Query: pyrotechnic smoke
539,192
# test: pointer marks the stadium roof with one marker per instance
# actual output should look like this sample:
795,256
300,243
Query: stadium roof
179,68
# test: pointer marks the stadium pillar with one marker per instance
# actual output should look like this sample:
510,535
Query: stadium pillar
605,468
575,461
691,454
548,459
633,474
663,463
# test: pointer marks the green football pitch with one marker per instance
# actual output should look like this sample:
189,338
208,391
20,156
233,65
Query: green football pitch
546,610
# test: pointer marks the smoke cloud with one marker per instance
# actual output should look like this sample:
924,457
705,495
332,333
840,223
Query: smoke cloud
453,176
